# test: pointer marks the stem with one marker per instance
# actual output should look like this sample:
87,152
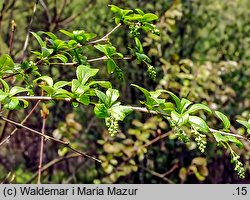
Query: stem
24,120
47,137
42,98
29,29
230,134
105,37
41,152
53,162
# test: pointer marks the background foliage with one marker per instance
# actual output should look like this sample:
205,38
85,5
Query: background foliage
202,54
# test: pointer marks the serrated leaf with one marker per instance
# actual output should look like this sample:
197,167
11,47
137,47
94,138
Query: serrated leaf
120,112
198,123
100,111
196,107
47,79
17,89
224,119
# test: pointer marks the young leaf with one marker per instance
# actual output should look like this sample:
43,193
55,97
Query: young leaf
71,35
17,89
84,99
112,95
101,110
103,97
184,104
148,17
176,99
235,140
47,79
224,119
198,123
246,124
61,57
12,103
3,95
39,39
6,87
84,72
6,63
196,107
60,84
105,84
120,112
220,138
111,65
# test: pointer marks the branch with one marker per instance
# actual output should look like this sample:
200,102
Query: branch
230,134
29,28
105,37
53,162
25,119
47,137
42,98
41,152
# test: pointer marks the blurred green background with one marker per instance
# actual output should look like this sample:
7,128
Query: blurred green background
203,54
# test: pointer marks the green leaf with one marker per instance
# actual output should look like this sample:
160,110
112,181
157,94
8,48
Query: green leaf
17,89
138,45
46,52
139,11
179,119
196,107
120,112
224,119
3,95
244,123
101,111
176,100
71,35
184,104
6,63
47,79
6,87
220,138
39,39
235,140
148,17
105,84
84,72
51,35
62,93
61,57
48,89
198,123
145,91
24,102
103,97
84,99
103,48
60,84
12,103
81,89
111,66
112,95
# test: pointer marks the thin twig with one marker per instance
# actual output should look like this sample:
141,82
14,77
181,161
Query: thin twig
29,29
47,137
42,98
105,37
229,134
53,162
41,152
24,120
156,174
12,33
